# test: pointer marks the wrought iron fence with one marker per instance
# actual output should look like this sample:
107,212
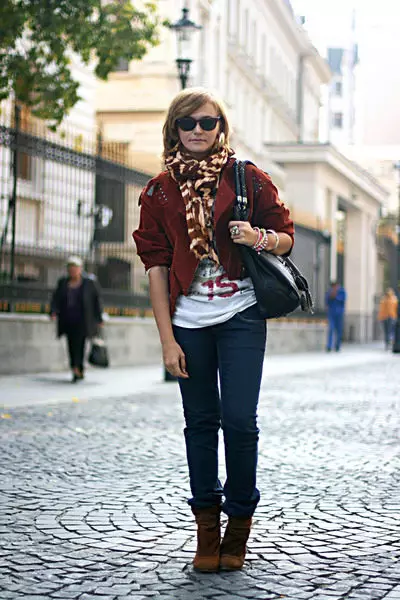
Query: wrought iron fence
61,193
71,192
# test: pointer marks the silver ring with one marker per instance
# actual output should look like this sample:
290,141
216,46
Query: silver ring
235,230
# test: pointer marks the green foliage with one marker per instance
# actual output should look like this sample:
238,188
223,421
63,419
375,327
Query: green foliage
38,37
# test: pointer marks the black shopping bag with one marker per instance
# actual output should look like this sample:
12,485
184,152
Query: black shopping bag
98,356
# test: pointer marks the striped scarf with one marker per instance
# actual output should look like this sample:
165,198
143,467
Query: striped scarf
197,181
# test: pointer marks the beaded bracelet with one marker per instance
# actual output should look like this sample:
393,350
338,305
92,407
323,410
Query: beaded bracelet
262,240
259,238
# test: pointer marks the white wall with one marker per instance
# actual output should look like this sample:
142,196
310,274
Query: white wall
28,343
379,74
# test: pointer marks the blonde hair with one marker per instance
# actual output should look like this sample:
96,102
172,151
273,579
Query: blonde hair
183,105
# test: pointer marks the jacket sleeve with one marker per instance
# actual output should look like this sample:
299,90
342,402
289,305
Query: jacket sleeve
269,210
381,313
341,296
327,298
55,299
152,243
97,303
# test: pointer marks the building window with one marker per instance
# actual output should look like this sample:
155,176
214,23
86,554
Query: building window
338,120
122,65
338,88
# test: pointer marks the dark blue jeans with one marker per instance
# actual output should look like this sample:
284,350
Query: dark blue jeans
234,350
388,329
335,323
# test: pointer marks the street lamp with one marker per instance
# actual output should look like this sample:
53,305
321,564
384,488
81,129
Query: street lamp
184,29
396,343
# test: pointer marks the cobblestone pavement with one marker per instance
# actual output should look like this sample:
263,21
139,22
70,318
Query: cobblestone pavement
92,500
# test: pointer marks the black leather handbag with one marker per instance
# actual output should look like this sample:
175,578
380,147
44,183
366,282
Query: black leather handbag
279,286
98,356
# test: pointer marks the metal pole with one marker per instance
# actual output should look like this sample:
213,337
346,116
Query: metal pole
17,114
183,79
183,65
95,211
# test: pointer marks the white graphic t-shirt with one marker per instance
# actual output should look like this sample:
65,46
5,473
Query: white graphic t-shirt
213,298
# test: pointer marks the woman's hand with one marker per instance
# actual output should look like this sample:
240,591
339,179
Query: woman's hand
242,233
174,359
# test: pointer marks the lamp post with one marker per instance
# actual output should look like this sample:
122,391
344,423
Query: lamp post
184,29
396,342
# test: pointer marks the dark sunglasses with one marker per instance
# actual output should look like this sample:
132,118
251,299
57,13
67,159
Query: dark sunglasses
189,123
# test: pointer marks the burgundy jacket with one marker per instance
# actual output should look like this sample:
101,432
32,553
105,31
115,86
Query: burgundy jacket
162,238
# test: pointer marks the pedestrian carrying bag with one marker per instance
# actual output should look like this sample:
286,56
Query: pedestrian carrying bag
98,356
279,286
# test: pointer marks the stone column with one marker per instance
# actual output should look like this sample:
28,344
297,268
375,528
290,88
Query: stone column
333,205
356,275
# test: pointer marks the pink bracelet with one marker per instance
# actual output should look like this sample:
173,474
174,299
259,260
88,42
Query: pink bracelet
262,241
258,239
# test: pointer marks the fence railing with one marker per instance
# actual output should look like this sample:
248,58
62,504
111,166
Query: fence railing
35,298
62,193
71,192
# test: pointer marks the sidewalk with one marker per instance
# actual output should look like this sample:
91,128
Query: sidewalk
55,388
93,493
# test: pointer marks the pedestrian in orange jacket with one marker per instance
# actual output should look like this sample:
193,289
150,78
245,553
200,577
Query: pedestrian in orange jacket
388,314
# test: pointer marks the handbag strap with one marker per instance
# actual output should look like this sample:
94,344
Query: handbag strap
241,213
241,205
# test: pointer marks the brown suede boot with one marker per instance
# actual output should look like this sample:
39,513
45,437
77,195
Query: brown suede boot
208,539
233,547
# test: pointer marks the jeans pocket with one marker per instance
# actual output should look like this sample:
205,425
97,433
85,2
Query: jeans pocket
250,315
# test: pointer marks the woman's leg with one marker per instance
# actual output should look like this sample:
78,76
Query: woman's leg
76,349
386,332
71,349
339,322
331,329
392,328
81,353
201,407
241,349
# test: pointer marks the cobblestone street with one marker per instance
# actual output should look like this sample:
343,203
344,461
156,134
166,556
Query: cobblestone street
93,492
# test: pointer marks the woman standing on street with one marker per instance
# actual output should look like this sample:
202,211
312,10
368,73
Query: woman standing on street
388,315
77,308
206,310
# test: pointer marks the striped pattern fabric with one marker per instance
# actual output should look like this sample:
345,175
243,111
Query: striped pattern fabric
197,179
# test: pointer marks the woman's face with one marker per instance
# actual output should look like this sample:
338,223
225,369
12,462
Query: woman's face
198,142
